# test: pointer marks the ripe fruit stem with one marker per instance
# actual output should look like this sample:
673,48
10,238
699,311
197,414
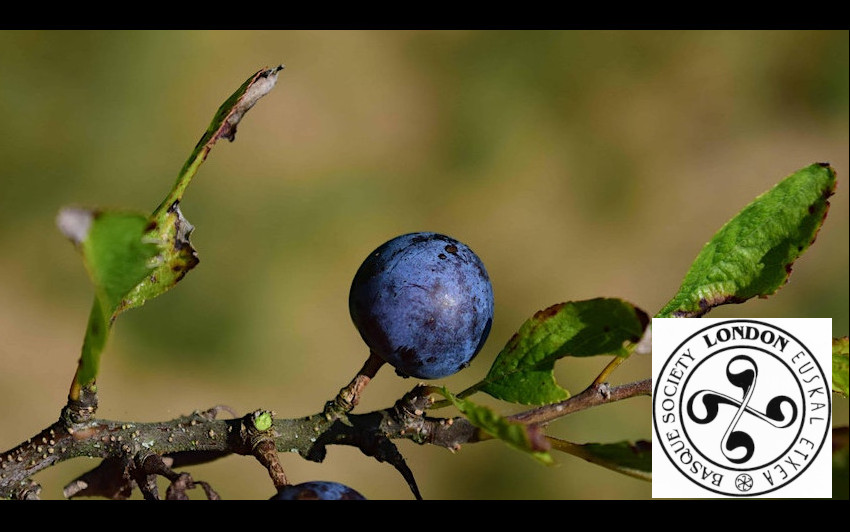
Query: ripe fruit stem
349,396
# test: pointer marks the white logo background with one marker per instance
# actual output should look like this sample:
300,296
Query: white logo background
789,456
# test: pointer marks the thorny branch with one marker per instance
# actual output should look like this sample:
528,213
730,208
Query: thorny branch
134,454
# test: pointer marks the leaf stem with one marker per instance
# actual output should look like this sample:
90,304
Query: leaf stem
594,395
609,369
642,347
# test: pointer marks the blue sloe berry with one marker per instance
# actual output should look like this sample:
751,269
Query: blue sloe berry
423,302
317,490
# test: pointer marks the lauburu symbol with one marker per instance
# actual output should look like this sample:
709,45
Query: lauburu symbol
742,372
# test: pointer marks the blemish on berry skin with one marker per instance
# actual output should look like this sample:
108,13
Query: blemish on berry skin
407,354
442,256
451,248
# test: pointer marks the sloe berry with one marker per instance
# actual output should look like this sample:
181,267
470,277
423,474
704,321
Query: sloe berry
317,490
423,302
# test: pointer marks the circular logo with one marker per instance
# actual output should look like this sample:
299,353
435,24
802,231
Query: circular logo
741,408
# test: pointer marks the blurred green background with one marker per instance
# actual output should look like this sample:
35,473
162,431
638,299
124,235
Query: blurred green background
577,164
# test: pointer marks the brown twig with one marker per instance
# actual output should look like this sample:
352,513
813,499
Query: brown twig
594,395
198,438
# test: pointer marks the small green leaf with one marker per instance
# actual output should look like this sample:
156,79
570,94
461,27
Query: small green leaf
523,370
527,439
633,459
262,420
840,354
752,254
840,463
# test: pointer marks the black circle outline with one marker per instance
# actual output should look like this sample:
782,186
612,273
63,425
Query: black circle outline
796,380
655,396
751,483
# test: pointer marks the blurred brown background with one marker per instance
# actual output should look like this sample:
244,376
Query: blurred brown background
576,164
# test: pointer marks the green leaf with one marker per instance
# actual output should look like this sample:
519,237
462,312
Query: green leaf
132,258
840,354
840,463
175,257
528,439
752,254
523,371
117,258
633,459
